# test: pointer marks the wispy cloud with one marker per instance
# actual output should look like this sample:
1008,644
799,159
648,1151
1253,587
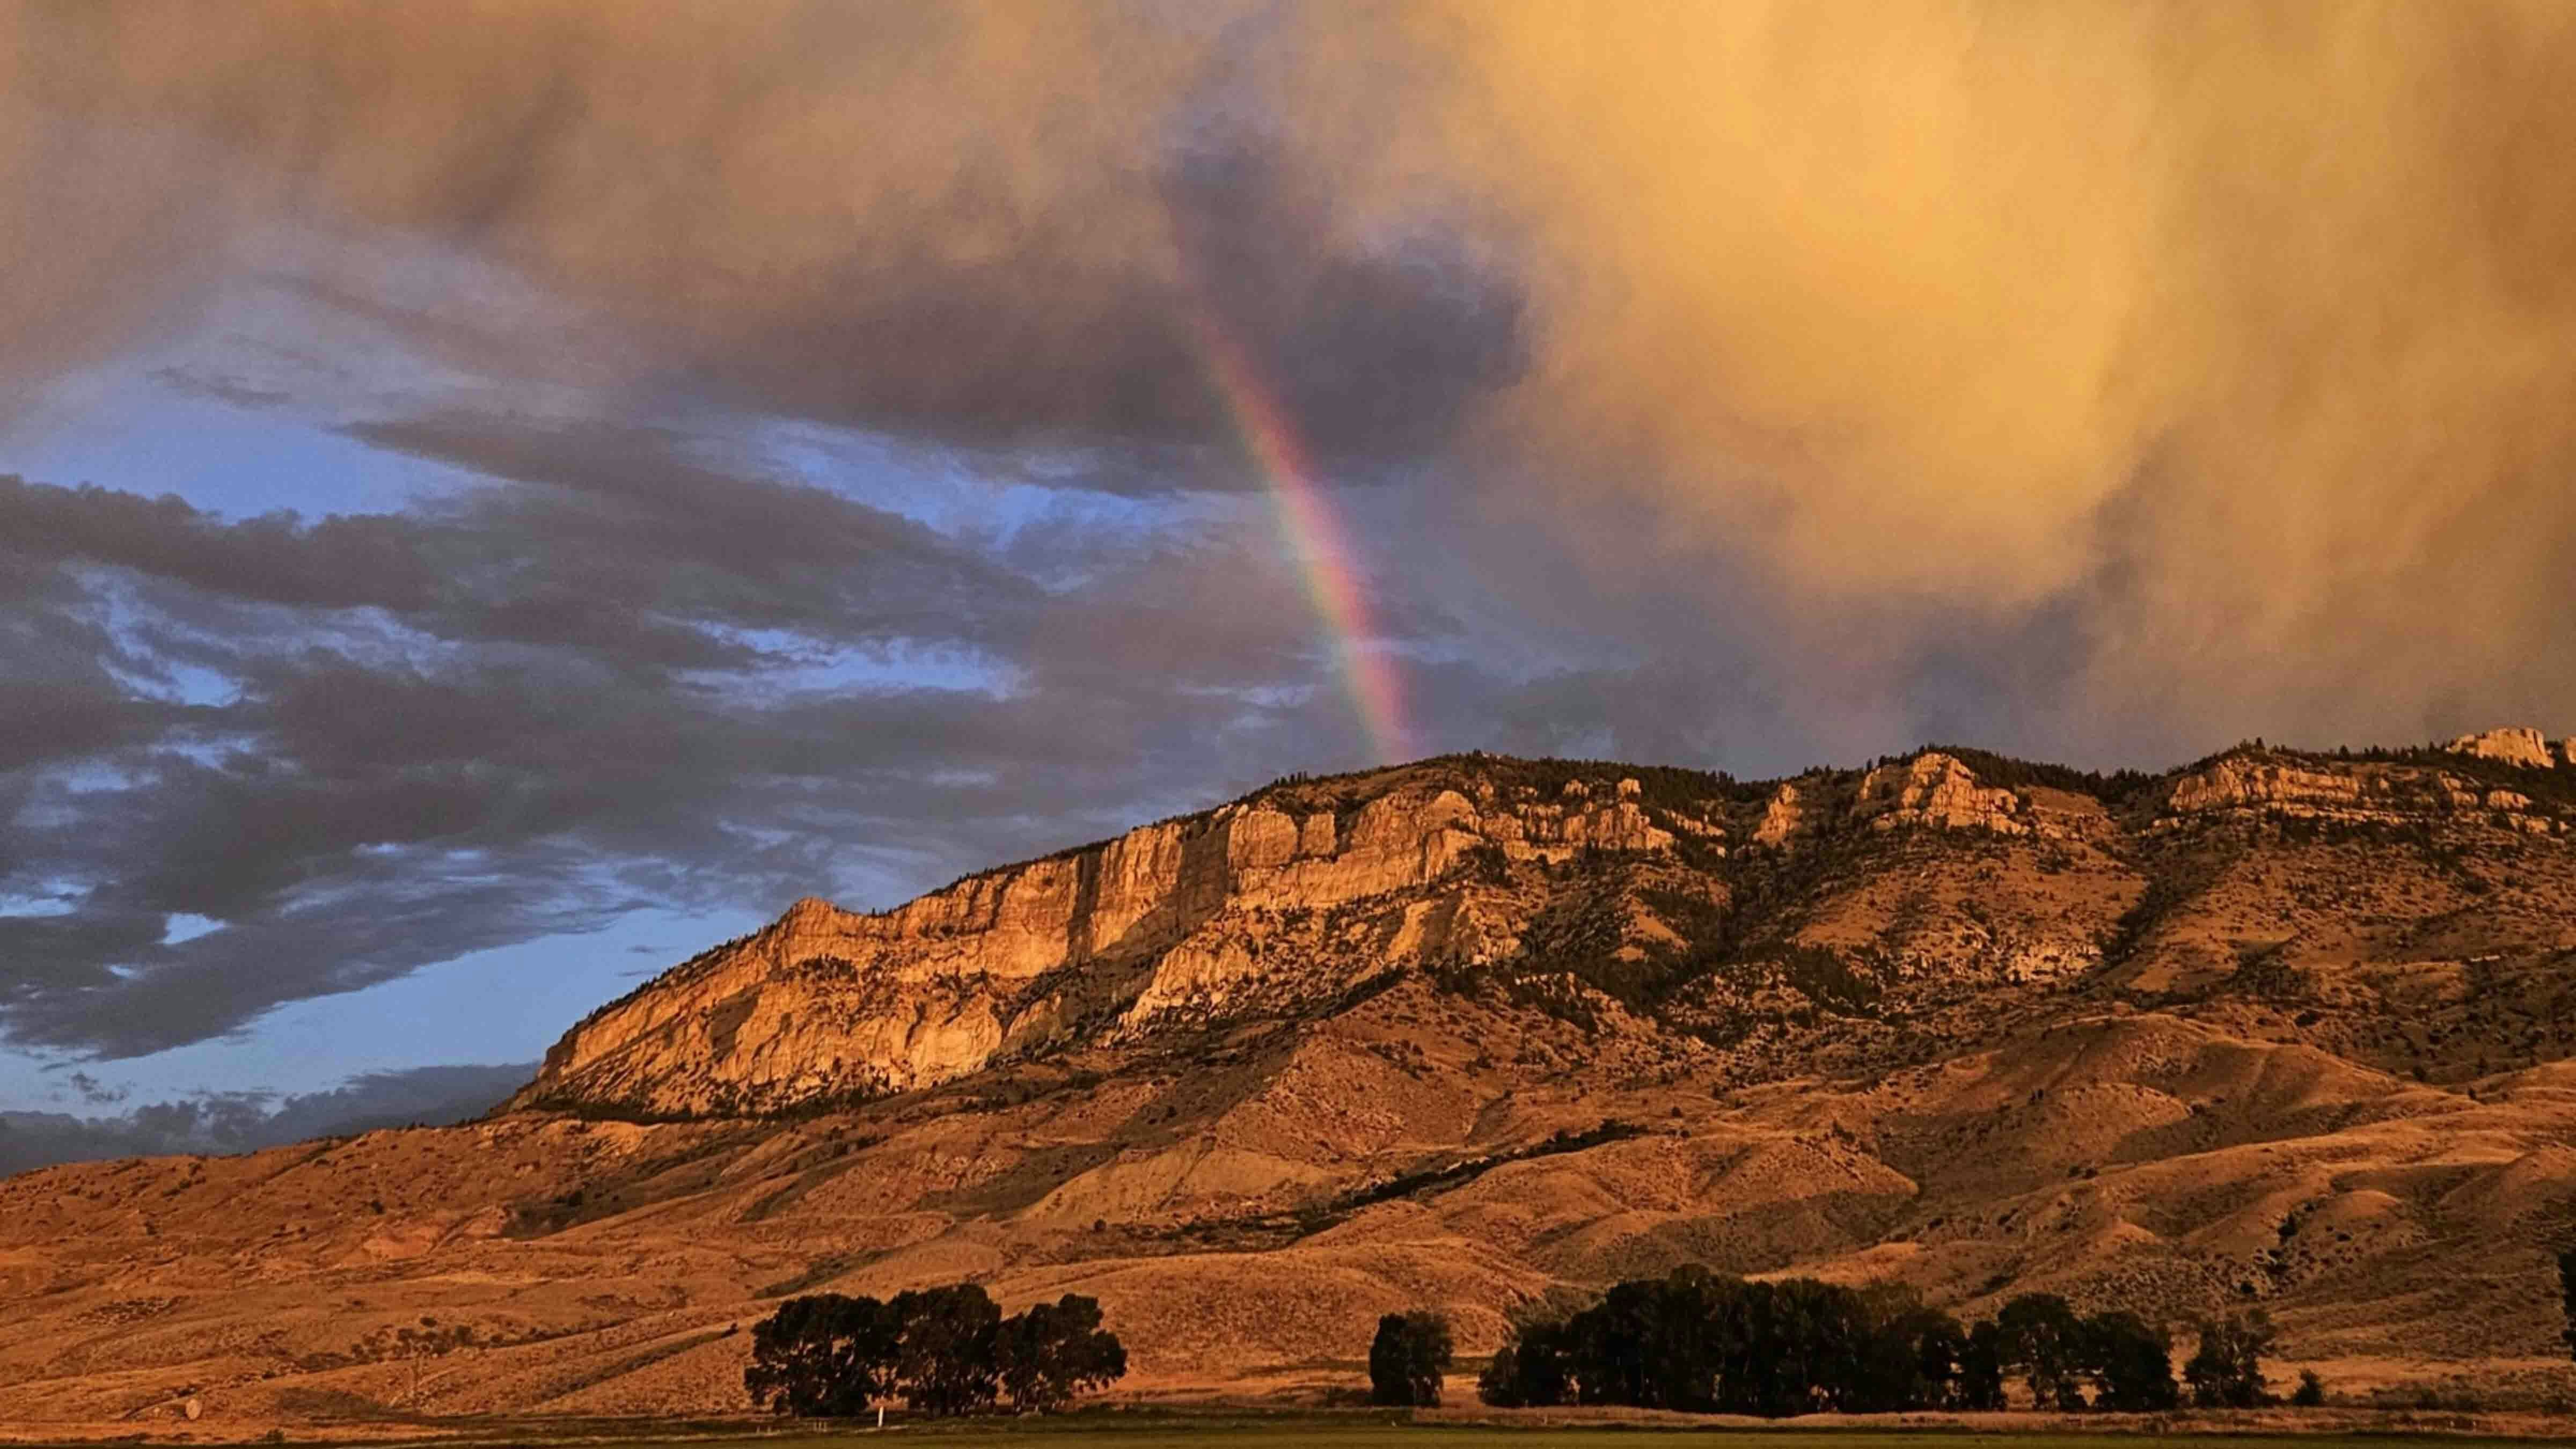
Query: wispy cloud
215,1122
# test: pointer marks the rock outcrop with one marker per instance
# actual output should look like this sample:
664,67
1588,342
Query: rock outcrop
2517,745
2358,792
1935,789
2260,783
1783,817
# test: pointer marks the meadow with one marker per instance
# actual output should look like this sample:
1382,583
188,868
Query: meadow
1361,1430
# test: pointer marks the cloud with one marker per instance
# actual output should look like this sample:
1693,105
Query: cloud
225,1122
2229,336
2221,346
618,675
1747,385
992,227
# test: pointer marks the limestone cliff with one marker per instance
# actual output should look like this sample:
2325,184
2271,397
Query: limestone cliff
1187,920
2516,745
1595,888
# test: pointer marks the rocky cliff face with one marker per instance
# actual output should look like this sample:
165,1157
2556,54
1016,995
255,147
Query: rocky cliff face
1277,903
2517,746
1703,902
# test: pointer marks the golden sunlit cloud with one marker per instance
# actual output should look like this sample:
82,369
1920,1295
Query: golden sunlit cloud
2229,342
2243,329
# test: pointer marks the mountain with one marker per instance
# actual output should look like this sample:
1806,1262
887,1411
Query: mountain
2279,1028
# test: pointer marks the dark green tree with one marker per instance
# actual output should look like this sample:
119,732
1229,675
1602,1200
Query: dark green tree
2567,1298
1817,1352
1615,1349
2131,1364
1981,1370
2043,1338
2311,1391
942,1350
948,1360
1530,1370
1907,1356
1049,1352
1409,1358
823,1356
2227,1370
1701,1342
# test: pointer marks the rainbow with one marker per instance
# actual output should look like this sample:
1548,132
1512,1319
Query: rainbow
1312,530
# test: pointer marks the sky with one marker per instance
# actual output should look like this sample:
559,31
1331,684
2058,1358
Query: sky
495,498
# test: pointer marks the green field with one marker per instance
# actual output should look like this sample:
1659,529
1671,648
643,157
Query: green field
1365,1431
1328,1435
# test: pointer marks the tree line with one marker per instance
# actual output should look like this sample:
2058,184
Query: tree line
939,1350
1694,1341
1701,1342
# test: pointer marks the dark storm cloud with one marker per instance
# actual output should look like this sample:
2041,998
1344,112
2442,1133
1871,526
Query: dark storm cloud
618,676
220,389
222,1122
986,227
615,547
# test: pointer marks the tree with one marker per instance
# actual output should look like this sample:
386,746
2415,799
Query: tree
1049,1352
2227,1370
1702,1342
946,1361
942,1350
2131,1364
1907,1356
1981,1369
2567,1297
1409,1358
1530,1370
1818,1352
2044,1338
823,1356
1612,1343
2311,1391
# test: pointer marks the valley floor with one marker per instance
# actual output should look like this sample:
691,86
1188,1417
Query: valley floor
1392,1429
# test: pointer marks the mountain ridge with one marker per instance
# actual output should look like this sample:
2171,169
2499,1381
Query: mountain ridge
1043,935
2293,1029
